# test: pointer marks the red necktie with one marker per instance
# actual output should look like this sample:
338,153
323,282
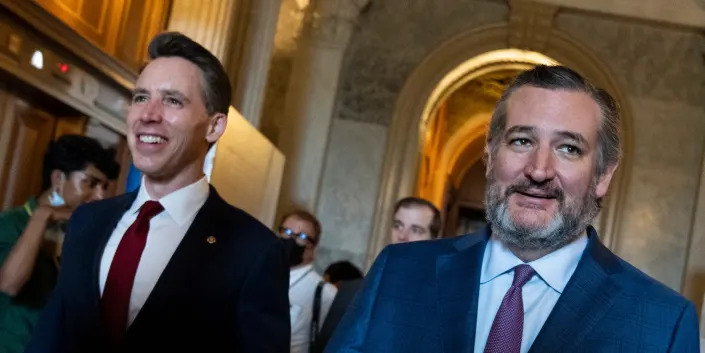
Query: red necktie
115,303
508,326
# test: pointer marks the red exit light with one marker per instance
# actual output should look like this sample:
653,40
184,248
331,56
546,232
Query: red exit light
64,68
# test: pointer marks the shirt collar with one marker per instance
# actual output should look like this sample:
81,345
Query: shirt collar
555,268
181,205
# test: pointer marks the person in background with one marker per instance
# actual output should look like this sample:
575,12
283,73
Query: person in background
76,170
347,278
340,271
415,219
310,297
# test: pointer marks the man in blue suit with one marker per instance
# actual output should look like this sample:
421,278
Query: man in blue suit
537,279
170,267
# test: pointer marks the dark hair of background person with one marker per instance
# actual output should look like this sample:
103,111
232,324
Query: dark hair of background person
563,78
408,202
308,217
216,84
72,153
342,271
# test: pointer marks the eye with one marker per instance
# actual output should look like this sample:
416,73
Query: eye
174,102
139,98
520,142
570,149
417,230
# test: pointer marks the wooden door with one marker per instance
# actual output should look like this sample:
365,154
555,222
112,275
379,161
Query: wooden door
25,133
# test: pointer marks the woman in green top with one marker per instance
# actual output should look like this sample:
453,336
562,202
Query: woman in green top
76,170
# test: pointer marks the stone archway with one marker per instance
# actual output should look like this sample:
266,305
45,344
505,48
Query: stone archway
440,70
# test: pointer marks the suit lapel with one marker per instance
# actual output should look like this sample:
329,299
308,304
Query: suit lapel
193,251
458,283
589,295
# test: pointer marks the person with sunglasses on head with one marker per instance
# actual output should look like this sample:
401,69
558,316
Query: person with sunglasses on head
310,297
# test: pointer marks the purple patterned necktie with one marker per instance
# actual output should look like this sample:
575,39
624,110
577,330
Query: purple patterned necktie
508,325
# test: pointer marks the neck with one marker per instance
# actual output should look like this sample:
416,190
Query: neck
529,255
159,187
303,264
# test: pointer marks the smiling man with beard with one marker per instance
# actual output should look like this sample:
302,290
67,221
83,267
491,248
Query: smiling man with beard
537,279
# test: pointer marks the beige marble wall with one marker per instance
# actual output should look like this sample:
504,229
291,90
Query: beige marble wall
349,190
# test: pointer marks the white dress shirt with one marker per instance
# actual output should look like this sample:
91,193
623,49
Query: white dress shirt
166,230
540,293
302,288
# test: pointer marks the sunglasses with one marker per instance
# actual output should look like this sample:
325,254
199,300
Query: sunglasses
291,234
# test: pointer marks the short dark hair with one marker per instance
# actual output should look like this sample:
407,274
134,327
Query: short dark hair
72,153
216,84
306,216
408,202
563,78
342,271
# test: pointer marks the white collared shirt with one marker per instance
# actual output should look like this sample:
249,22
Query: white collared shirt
302,288
166,230
539,294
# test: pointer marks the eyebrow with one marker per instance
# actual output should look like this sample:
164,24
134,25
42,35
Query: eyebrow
577,137
573,136
174,93
517,129
164,92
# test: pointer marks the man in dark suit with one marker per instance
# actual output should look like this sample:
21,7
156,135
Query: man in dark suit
171,266
537,279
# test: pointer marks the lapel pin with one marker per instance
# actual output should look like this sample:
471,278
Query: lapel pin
210,239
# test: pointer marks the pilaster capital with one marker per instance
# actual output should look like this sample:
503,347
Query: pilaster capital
331,22
530,24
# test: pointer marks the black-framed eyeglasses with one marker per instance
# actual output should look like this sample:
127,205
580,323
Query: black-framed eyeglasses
291,234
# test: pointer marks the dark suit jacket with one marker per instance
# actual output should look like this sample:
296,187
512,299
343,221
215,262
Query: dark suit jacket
346,294
231,295
422,297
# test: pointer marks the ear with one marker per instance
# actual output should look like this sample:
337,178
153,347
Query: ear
216,127
57,177
487,158
603,181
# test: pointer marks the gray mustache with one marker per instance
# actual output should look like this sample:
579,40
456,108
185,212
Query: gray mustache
527,186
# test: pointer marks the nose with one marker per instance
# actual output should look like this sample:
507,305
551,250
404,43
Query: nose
152,111
541,165
403,234
98,193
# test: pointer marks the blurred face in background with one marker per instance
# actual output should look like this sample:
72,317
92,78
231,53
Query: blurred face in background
412,224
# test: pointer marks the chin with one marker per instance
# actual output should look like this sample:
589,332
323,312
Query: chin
531,219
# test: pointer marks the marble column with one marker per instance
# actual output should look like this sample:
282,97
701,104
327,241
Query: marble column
208,22
241,34
328,25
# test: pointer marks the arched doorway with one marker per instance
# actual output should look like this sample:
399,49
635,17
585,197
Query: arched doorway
454,63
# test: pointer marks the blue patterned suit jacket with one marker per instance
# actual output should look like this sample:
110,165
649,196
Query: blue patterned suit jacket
422,297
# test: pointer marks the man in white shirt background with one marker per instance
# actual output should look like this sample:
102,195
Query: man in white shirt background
171,266
302,233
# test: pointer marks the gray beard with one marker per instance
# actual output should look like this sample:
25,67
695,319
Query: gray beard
566,225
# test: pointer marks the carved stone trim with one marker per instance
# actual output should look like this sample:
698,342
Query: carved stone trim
530,24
